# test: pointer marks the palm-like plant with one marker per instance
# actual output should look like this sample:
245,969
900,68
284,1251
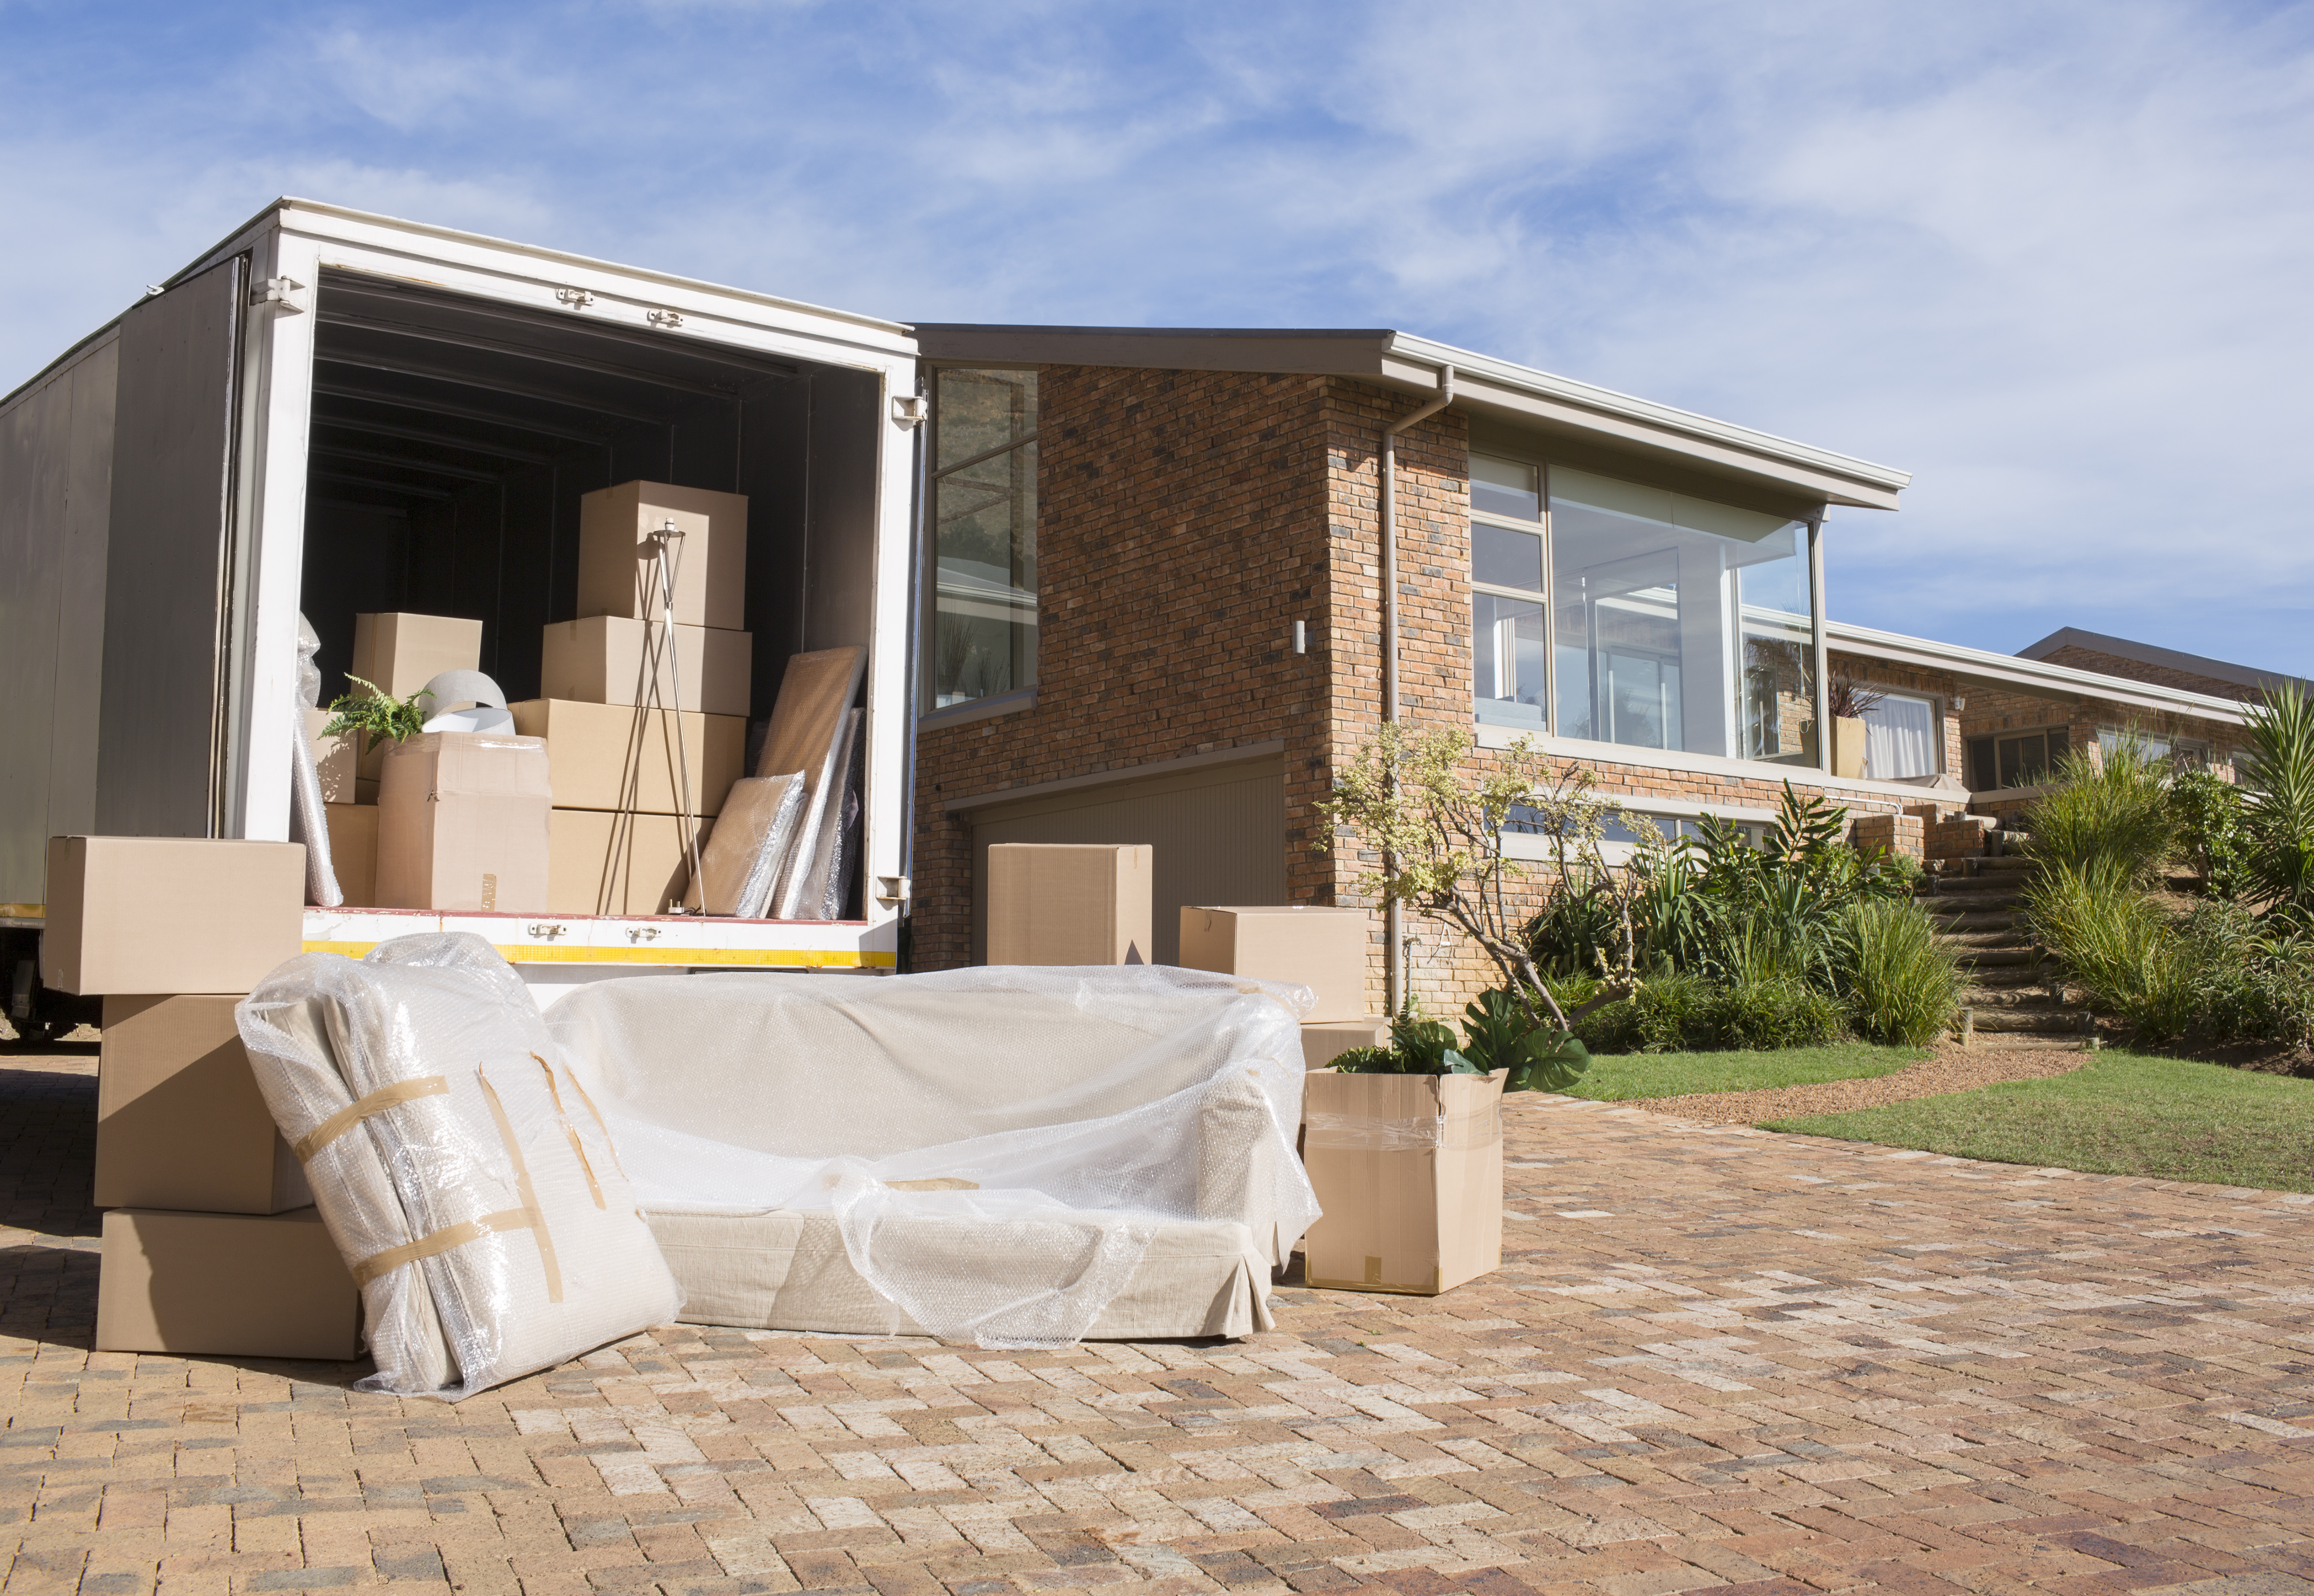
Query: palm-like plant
2279,821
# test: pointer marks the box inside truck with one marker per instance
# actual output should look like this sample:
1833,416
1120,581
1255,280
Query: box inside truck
451,439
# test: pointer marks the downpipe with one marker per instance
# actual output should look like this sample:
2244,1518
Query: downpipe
1394,915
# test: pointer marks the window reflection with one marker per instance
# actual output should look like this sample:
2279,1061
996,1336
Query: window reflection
985,535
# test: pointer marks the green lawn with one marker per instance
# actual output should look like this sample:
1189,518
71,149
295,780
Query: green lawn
1617,1078
2120,1113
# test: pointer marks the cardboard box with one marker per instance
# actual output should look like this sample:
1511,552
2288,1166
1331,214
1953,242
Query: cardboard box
1409,1169
138,915
353,852
618,574
1323,949
462,824
1069,904
402,653
606,863
179,1122
615,756
225,1284
611,659
1325,1040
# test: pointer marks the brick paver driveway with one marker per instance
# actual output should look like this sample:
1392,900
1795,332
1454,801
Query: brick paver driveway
1711,1358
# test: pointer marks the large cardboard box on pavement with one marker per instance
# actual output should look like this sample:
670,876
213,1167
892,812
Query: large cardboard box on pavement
142,914
618,574
611,659
179,1122
611,863
616,756
1069,904
1409,1169
225,1284
463,823
400,653
1323,949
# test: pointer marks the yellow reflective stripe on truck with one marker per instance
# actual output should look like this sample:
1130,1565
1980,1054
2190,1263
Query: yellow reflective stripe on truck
524,953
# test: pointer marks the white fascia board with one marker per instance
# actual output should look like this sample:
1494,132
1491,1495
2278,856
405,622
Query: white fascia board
1629,757
624,294
2028,675
1839,479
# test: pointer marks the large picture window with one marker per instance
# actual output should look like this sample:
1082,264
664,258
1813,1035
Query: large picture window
1616,613
983,494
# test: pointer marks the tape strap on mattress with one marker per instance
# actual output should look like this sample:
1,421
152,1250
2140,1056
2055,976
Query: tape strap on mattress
1361,1132
377,1102
525,1191
442,1240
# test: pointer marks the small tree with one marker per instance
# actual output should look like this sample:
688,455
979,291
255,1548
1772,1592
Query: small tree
1440,834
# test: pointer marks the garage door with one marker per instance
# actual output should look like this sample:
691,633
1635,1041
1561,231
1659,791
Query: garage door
1218,835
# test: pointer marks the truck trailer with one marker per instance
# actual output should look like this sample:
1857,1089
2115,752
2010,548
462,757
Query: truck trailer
334,412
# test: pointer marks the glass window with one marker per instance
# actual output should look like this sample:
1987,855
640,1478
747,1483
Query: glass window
1680,623
1505,488
985,535
2150,744
1901,736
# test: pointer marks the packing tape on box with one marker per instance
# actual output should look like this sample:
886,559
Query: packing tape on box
1359,1132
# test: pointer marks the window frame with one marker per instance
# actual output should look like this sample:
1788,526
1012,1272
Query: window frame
927,605
1937,708
1809,552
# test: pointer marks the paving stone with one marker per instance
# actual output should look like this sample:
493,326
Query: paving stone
1714,1358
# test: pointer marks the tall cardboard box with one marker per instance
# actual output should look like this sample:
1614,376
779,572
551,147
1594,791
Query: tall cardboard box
1069,904
616,756
618,574
179,1122
138,915
614,659
338,761
353,852
462,824
226,1284
1409,1169
401,652
618,863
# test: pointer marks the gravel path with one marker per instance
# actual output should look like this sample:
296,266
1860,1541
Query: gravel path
1952,1068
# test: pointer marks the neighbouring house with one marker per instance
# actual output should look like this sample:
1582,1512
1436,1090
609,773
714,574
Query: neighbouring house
1155,611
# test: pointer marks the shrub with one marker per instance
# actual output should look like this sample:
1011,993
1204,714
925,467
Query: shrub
2115,811
1765,1014
2117,943
1655,1019
1901,983
2256,986
2211,841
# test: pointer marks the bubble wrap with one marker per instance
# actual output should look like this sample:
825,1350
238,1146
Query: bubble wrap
997,1146
463,1176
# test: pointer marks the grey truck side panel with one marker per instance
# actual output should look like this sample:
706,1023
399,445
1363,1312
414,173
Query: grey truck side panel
56,474
167,571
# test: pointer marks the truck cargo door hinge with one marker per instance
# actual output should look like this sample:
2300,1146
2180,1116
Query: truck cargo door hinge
891,889
279,294
911,410
663,318
578,299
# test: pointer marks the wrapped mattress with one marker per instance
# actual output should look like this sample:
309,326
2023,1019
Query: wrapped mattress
1014,1156
465,1177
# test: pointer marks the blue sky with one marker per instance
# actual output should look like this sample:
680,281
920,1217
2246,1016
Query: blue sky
2056,260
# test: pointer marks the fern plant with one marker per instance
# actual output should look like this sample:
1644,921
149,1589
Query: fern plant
377,716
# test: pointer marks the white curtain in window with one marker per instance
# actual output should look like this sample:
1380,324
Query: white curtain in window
1900,738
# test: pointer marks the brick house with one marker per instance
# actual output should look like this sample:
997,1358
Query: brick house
1153,609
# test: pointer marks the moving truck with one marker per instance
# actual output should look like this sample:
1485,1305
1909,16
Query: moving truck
336,413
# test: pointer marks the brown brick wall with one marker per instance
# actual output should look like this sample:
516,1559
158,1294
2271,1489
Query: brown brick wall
1992,710
1181,531
2137,670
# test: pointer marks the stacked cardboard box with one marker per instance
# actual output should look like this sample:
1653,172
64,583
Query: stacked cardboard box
399,653
1323,949
211,1242
1069,903
644,706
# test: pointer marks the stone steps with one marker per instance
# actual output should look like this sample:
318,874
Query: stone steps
2014,991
